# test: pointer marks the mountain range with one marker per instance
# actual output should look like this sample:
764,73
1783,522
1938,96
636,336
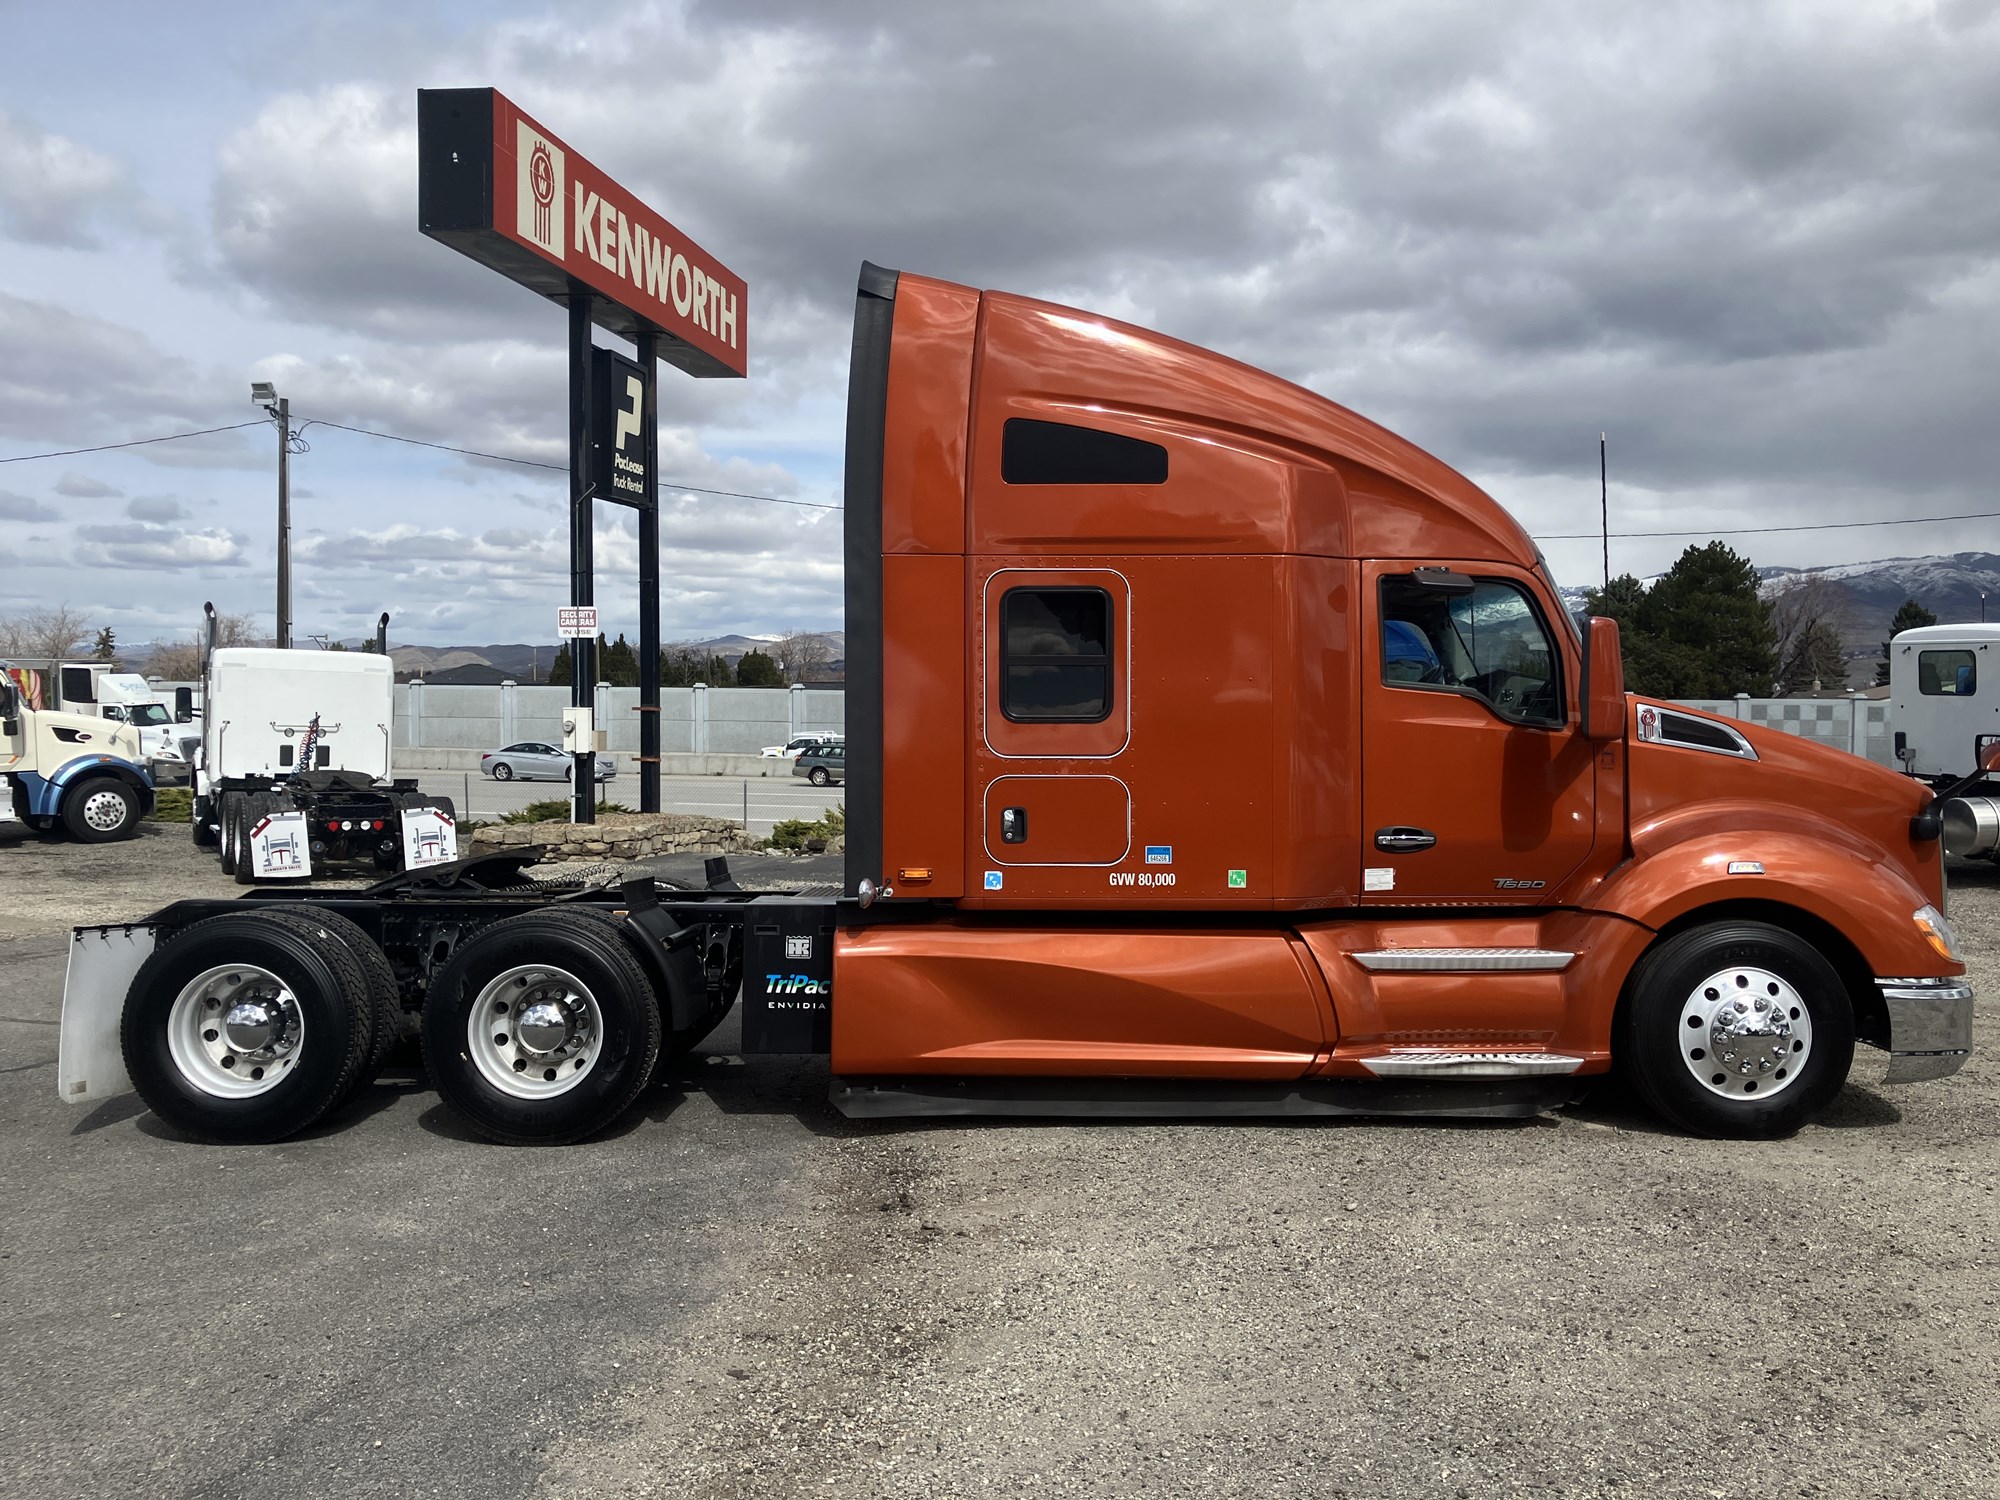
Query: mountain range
530,663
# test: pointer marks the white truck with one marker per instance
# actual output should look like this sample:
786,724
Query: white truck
98,690
293,765
80,771
1944,709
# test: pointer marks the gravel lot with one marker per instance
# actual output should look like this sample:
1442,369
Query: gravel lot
740,1294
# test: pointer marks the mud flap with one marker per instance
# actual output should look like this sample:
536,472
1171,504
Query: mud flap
103,961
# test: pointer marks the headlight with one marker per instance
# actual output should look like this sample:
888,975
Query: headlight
1937,931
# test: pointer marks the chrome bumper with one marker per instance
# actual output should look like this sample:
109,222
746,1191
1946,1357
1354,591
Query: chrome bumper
1930,1027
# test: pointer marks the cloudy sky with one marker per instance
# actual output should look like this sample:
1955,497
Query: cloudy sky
1754,243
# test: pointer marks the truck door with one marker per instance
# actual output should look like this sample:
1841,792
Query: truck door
1477,786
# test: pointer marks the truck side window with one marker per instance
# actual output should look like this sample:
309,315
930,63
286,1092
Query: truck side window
1489,644
1034,452
1055,648
1946,674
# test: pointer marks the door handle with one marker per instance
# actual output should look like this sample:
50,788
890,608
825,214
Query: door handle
1404,840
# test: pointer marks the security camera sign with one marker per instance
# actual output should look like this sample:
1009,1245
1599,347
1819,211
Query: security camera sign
577,622
279,847
430,837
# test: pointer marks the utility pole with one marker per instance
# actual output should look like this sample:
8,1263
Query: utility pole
1604,508
265,394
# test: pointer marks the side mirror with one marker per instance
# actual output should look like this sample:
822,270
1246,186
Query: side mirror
1989,756
183,705
1602,692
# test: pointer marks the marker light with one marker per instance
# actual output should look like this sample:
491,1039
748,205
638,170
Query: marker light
1937,931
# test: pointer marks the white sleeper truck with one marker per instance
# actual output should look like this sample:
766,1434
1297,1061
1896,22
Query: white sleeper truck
293,769
1944,709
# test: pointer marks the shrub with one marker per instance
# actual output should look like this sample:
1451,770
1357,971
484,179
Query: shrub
553,810
797,833
172,804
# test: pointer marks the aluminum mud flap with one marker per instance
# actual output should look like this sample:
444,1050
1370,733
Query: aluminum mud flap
1930,1027
788,976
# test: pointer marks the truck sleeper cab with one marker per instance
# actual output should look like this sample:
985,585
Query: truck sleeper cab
1275,757
1215,751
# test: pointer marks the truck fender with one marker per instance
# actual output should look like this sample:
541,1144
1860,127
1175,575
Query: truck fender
1869,903
84,767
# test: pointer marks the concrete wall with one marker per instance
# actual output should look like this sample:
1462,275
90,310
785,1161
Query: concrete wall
693,721
1857,725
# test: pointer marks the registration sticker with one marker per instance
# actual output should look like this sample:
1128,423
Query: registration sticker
1239,880
993,880
1159,854
1380,879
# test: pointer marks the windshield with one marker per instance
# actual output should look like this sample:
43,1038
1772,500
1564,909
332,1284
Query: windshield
148,715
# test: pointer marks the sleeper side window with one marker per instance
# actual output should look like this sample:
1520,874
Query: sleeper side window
1946,674
1490,644
1055,648
1034,452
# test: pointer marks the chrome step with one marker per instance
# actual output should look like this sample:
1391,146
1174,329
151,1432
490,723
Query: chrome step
1424,1062
1462,960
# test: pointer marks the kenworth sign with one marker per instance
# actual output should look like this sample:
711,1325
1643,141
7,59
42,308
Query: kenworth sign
494,184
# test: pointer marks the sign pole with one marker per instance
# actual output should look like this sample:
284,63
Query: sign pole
649,581
583,650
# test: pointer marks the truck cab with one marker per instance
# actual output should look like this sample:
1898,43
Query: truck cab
1273,754
77,771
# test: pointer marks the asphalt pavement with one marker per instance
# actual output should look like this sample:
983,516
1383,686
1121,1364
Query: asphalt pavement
739,1293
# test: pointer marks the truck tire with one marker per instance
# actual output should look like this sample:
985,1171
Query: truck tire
201,818
244,1029
567,979
227,804
385,995
1737,1029
250,806
100,809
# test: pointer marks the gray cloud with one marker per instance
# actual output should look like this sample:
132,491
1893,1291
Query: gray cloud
157,548
159,508
53,191
17,507
83,487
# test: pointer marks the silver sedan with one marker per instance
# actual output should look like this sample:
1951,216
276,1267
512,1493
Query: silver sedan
532,760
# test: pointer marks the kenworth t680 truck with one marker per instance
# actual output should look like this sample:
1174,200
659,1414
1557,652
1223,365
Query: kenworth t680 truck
1214,751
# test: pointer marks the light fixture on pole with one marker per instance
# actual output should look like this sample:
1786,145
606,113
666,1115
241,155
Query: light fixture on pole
266,395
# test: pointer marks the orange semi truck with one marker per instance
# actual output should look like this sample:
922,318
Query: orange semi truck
1212,751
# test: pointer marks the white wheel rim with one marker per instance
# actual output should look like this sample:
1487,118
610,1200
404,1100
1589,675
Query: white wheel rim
235,1031
542,1001
104,811
1745,1033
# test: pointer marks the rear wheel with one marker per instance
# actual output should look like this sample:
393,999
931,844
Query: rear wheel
503,772
242,1029
541,1029
100,809
1737,1029
384,994
250,807
228,805
817,776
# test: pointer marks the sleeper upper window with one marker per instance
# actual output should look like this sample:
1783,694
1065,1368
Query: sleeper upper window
1055,646
1034,452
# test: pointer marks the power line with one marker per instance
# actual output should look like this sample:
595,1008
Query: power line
1585,536
532,463
172,437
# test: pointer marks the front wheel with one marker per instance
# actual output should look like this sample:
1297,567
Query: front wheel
1737,1029
541,1029
101,809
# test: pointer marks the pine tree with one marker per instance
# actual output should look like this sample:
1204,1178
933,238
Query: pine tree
562,671
617,664
1909,616
755,669
106,646
1700,631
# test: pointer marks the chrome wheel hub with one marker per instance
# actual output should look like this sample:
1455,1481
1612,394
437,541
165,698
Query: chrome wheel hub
1745,1033
104,811
534,1031
235,1031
